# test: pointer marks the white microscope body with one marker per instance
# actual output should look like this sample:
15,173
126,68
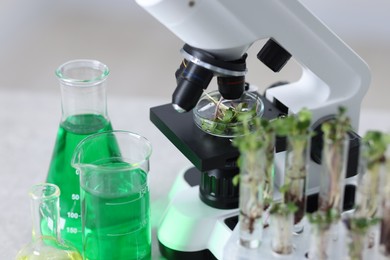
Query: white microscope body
333,75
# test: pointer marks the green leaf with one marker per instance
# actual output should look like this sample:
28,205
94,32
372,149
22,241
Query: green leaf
337,128
294,125
323,219
375,144
283,208
227,116
360,224
236,179
284,188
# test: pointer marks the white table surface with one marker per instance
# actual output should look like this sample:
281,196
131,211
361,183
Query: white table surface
28,127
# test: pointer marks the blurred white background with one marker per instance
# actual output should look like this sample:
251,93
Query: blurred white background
37,36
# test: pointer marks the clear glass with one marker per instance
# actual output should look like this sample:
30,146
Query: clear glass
334,163
295,176
251,199
114,195
211,117
269,170
357,244
320,242
282,233
384,241
83,99
367,191
83,88
46,239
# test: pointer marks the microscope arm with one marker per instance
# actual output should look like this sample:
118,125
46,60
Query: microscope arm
333,75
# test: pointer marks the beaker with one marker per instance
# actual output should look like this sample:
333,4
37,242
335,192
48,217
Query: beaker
115,206
46,239
83,98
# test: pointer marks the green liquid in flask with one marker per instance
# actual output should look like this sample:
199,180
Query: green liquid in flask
118,226
70,133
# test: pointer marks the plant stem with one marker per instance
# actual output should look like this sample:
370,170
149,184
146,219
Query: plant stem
296,170
251,198
215,101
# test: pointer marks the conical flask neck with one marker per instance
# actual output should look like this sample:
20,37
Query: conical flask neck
83,88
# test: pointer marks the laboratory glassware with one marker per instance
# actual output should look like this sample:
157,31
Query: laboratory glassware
384,242
46,239
114,195
251,203
296,175
84,112
282,226
219,117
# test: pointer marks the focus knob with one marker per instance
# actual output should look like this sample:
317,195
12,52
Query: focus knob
217,189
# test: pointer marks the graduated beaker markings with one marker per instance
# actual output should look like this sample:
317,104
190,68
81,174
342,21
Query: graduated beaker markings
75,196
114,195
71,230
73,215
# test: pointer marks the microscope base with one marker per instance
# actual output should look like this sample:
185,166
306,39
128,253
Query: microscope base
190,229
169,253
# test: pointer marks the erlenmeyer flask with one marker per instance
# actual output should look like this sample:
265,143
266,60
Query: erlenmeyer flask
45,216
83,93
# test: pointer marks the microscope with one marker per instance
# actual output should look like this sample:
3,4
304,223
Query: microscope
203,205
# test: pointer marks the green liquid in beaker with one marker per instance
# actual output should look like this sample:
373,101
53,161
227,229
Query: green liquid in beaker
117,226
70,133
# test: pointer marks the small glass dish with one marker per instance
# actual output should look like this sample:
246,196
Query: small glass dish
218,116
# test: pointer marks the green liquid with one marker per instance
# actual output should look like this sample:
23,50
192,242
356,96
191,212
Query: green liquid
117,224
70,133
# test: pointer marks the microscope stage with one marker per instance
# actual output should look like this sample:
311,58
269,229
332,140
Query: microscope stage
205,151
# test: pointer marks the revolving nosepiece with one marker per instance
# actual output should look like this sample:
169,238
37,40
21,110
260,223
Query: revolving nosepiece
195,73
